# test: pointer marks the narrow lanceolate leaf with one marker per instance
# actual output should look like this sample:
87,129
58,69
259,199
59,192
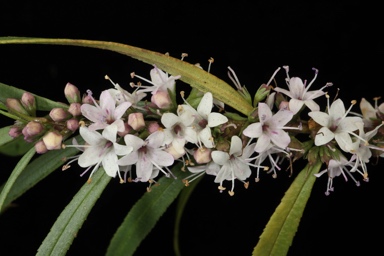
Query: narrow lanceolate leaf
37,170
145,213
15,147
68,224
42,103
278,234
15,174
4,137
190,74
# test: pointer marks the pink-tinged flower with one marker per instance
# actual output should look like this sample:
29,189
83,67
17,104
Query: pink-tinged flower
160,81
53,140
336,125
120,95
361,149
147,155
299,94
204,120
233,165
336,168
104,113
269,129
102,150
179,128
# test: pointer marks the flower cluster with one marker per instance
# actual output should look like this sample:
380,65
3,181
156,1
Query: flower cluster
140,134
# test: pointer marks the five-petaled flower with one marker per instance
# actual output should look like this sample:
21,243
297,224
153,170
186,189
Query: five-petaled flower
269,129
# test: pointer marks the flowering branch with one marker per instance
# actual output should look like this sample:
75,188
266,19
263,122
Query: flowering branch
142,134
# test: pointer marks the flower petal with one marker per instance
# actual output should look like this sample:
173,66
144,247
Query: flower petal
215,119
254,130
320,117
323,136
205,105
220,157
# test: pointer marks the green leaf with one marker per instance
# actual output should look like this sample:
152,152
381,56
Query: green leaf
181,203
190,74
4,136
37,170
42,103
15,174
145,213
278,234
68,224
15,147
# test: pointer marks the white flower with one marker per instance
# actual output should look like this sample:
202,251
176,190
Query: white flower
234,165
361,149
147,155
102,149
160,82
270,128
335,124
204,119
178,129
335,168
120,95
104,113
299,94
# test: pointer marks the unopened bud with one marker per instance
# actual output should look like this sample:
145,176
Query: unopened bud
32,130
14,106
73,124
153,127
136,121
75,109
40,147
72,93
127,129
202,155
15,131
161,100
53,140
29,103
59,114
176,153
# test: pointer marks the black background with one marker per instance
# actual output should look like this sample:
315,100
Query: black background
340,38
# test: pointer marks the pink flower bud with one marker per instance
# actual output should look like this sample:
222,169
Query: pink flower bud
75,109
59,114
73,124
161,100
40,147
202,155
53,140
153,127
87,99
29,103
15,131
32,130
136,121
14,106
72,93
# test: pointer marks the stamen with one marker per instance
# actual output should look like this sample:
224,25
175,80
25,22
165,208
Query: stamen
211,60
273,76
234,79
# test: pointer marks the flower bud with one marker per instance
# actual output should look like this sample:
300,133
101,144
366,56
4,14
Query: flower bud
15,131
73,124
53,140
175,152
284,105
32,130
261,94
72,93
40,147
153,127
161,100
29,103
75,109
59,114
202,155
136,121
14,106
127,129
